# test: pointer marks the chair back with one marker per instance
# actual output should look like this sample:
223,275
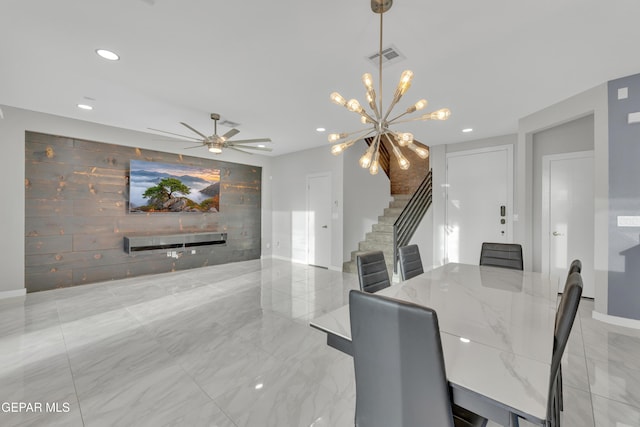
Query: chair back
372,271
506,255
575,267
410,262
565,318
399,365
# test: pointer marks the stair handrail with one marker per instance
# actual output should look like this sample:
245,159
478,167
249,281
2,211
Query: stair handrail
407,222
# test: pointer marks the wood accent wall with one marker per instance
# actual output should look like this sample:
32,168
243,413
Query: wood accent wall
76,209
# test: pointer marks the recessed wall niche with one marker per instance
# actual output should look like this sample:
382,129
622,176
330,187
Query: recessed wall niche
76,214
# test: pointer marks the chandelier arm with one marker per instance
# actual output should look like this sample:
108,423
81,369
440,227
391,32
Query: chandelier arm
362,135
415,119
397,117
365,114
362,131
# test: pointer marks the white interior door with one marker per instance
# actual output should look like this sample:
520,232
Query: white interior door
568,217
479,201
319,219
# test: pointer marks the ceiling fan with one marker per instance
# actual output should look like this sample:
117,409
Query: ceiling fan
216,143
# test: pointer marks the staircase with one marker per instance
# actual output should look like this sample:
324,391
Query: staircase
381,236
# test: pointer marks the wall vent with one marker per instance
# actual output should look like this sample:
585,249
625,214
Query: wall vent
390,55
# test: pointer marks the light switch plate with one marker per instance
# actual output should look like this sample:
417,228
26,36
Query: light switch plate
629,221
634,117
623,93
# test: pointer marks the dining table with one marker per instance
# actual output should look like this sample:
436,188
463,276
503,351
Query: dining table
496,327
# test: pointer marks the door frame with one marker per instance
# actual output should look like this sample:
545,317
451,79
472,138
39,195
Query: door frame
506,147
308,223
545,240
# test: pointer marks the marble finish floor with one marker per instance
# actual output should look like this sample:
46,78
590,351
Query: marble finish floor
230,346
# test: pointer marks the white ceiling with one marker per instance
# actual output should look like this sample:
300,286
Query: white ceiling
271,66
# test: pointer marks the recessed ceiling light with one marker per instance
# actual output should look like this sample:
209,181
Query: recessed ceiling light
85,107
107,54
467,130
320,129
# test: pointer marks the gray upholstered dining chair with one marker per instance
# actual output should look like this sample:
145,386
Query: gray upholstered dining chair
565,318
372,271
575,267
506,255
399,366
410,262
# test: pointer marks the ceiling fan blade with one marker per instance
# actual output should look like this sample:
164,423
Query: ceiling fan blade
249,147
192,129
237,149
176,134
231,133
250,141
188,148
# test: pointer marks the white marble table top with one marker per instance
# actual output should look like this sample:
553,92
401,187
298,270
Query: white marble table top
507,316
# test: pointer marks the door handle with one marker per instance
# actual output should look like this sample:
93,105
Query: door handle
555,233
324,226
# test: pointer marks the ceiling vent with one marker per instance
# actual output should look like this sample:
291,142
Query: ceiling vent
229,123
390,55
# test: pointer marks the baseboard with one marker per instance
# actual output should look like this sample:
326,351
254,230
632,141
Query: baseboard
12,294
615,320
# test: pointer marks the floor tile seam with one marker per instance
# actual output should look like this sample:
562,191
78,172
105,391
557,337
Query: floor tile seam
73,377
622,363
623,402
586,365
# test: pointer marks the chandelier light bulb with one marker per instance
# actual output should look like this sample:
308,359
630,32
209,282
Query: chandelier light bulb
442,114
421,152
336,98
404,138
337,149
364,120
367,79
333,137
402,160
354,105
405,81
365,160
375,166
420,104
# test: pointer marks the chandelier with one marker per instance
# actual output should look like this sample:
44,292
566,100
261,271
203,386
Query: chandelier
379,123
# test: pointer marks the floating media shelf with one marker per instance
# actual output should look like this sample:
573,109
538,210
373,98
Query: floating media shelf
174,242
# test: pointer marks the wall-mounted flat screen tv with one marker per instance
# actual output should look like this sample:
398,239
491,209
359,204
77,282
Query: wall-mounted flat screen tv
164,187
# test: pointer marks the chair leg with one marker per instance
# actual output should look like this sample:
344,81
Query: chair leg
559,391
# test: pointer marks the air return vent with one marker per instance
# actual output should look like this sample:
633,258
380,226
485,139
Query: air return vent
229,123
390,55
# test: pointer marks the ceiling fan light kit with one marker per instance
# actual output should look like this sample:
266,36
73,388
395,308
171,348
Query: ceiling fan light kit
378,121
216,143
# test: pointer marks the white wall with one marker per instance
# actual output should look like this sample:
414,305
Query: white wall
365,198
289,203
591,102
12,133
